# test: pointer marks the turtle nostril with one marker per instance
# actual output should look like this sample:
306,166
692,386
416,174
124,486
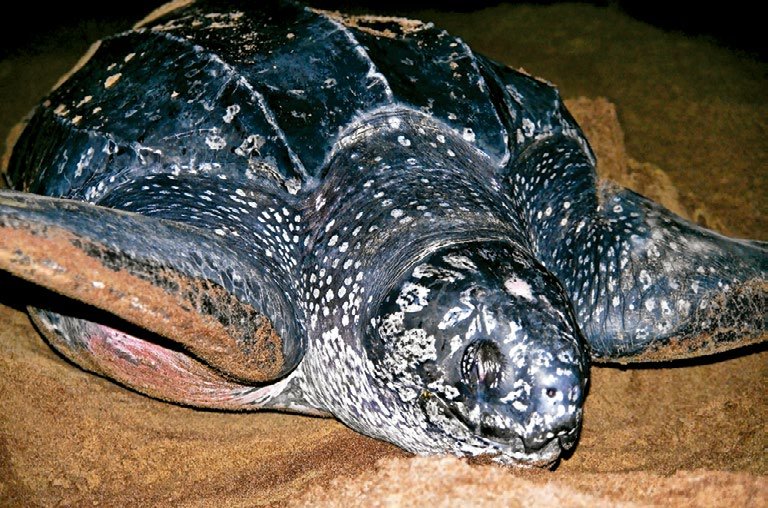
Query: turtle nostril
551,392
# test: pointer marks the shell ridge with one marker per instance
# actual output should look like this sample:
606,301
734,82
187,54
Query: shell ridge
373,71
68,123
366,125
463,104
475,62
531,109
269,114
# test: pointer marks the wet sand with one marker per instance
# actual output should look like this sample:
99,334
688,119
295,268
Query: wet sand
684,122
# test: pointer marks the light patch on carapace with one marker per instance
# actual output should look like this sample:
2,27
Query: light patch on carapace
369,23
112,80
232,111
215,142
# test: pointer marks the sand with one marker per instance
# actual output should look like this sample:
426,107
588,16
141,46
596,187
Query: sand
679,119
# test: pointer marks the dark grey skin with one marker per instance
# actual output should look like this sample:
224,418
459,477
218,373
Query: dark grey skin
265,206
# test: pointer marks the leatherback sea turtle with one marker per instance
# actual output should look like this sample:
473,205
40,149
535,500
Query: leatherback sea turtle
263,205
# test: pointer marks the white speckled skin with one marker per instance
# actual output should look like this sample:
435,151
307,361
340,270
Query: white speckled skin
420,226
407,325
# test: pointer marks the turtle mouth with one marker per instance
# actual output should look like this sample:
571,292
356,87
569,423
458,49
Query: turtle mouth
507,446
504,446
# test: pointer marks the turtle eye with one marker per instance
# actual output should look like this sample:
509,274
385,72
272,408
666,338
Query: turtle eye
482,364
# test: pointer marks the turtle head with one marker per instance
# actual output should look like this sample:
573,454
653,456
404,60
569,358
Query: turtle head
483,341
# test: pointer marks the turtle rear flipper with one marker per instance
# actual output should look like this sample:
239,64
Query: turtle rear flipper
232,312
646,284
154,367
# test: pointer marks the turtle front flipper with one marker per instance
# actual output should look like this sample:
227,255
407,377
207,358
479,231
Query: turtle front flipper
230,312
646,284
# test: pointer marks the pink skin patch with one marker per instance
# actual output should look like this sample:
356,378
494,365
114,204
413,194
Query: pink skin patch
166,374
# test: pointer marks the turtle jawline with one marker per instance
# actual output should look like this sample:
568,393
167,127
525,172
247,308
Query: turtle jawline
512,447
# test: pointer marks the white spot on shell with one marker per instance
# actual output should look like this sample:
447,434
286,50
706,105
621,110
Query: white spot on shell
61,110
111,80
232,111
85,100
215,142
528,127
84,161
